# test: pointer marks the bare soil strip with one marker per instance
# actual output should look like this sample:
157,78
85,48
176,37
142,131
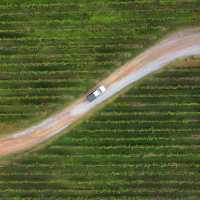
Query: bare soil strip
177,45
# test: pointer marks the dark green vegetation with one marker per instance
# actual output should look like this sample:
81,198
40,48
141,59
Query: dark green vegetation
144,146
51,52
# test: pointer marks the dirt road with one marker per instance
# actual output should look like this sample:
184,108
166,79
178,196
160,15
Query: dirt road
181,44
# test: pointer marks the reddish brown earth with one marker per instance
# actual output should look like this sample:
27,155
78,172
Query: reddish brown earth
181,44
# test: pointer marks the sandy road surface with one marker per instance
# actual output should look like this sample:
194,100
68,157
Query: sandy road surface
181,44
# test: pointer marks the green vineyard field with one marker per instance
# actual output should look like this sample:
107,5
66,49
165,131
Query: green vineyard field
144,145
52,52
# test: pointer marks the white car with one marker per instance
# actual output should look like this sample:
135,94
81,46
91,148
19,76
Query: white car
96,93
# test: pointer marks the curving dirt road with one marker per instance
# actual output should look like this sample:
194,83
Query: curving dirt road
181,44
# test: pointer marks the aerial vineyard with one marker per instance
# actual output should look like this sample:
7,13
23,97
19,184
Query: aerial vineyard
51,52
144,145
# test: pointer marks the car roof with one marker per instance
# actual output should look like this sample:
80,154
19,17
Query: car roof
102,88
96,93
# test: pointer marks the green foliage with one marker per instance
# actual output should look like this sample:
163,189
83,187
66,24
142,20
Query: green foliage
144,145
51,52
